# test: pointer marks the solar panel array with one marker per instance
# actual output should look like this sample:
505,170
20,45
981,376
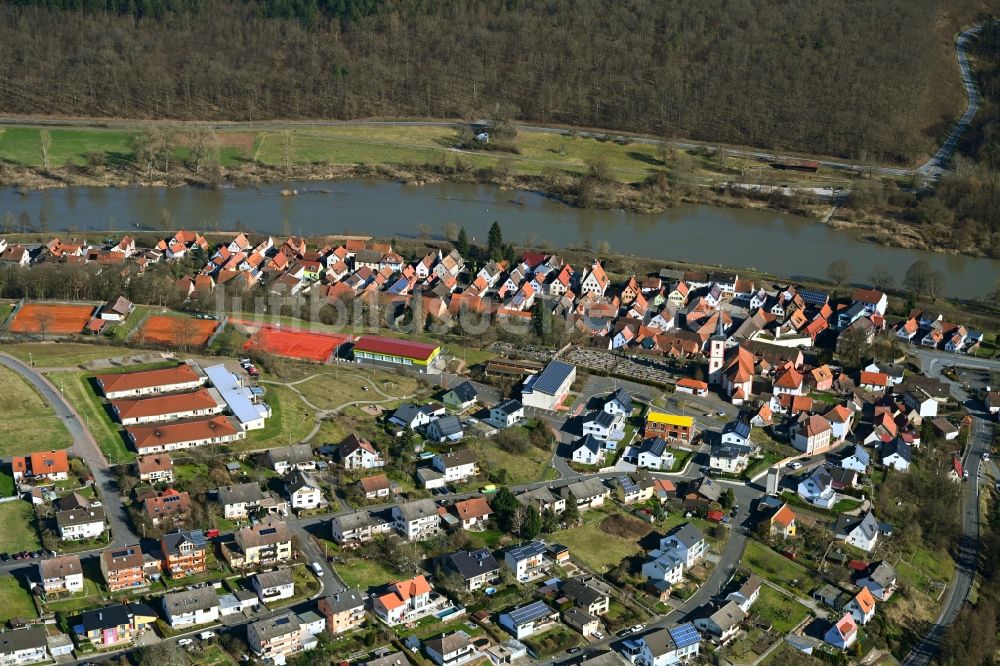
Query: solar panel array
529,613
552,377
813,297
684,635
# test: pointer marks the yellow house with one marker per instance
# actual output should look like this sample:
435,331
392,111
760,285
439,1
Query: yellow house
782,523
670,427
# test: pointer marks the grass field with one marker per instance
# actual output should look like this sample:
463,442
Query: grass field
15,601
364,574
61,354
6,483
597,549
521,468
344,384
291,420
213,655
18,520
779,570
89,598
78,391
783,613
29,424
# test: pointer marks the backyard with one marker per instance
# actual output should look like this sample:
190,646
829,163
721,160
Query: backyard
18,521
779,570
595,547
29,424
782,612
15,600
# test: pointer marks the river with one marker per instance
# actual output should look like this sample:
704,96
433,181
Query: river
784,245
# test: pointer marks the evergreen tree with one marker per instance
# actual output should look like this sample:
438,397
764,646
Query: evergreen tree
541,320
532,523
462,242
572,513
504,505
495,246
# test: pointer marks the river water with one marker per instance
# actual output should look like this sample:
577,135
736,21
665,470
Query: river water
783,245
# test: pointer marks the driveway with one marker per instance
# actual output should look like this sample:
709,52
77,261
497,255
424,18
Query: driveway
85,447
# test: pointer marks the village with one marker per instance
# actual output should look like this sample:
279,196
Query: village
520,461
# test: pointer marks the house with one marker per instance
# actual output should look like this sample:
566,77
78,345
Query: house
945,428
736,432
113,625
724,623
688,541
922,402
652,453
195,606
549,388
729,458
588,450
24,646
692,387
587,593
239,500
604,426
582,621
858,461
461,396
274,585
473,513
184,552
413,417
701,492
275,638
269,542
873,381
817,488
344,611
123,568
184,377
375,487
527,561
167,507
589,493
296,456
506,414
619,402
862,606
840,419
390,351
61,575
478,568
304,493
157,468
664,570
391,659
897,454
670,427
445,429
859,532
403,601
353,529
543,499
86,522
161,437
451,649
529,619
992,402
633,488
42,466
880,580
595,281
358,453
456,465
873,302
812,434
747,594
788,382
843,633
417,520
782,523
665,647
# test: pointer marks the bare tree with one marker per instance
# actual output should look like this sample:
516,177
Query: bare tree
881,279
287,150
204,147
839,272
45,320
45,142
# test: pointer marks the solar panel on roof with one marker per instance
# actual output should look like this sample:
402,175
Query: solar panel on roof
552,377
269,530
684,635
532,611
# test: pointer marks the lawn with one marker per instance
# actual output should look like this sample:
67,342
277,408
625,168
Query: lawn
779,570
490,539
29,424
6,483
523,468
15,600
333,389
18,520
62,354
89,598
69,146
80,393
290,421
783,613
550,642
594,547
365,574
213,655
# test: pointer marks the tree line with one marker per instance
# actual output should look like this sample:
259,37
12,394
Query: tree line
855,79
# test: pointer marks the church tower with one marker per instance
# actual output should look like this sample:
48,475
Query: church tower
716,352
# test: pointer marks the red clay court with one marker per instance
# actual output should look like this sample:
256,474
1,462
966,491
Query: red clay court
55,318
174,331
290,343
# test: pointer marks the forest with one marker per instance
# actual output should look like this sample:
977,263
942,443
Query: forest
863,80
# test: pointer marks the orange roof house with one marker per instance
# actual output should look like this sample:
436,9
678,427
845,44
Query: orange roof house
473,511
53,465
782,523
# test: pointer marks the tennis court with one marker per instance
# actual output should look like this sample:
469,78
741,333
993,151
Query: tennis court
316,347
51,318
176,331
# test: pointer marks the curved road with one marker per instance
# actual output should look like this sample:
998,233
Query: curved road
84,446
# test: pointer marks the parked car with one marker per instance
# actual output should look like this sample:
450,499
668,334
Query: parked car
184,642
205,635
795,464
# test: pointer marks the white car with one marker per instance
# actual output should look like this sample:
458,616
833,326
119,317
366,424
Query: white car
317,569
795,464
184,642
986,456
205,635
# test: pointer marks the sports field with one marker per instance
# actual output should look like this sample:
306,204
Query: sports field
51,318
303,345
176,331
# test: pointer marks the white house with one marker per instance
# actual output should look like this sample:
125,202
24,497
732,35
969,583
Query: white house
413,416
24,646
724,623
652,453
897,454
619,402
817,488
358,453
736,432
747,594
61,574
665,566
403,600
303,491
192,607
273,585
456,465
812,434
843,633
527,561
588,451
527,620
688,541
506,413
452,649
729,459
445,429
921,402
417,520
604,426
862,606
81,523
859,532
549,388
880,579
665,647
873,302
858,461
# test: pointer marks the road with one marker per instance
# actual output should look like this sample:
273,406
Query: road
932,362
932,168
84,446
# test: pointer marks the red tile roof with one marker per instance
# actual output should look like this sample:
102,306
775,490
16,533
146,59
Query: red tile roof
131,381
